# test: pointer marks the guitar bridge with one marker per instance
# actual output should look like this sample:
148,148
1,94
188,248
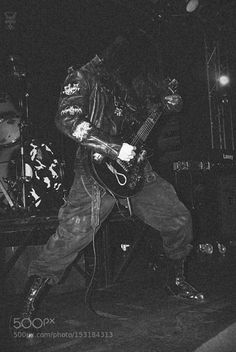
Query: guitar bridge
124,165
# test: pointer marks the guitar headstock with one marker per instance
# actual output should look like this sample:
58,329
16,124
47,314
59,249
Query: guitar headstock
172,85
172,101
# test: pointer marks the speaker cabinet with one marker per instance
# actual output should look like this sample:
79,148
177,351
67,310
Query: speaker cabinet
226,196
211,198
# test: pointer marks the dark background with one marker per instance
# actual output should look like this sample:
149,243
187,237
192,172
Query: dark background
50,36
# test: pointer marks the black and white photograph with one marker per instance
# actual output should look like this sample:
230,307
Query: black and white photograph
118,176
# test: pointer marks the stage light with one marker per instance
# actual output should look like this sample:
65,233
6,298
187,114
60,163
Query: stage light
191,5
224,80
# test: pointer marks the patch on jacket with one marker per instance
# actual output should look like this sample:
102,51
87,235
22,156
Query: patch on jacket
81,131
71,89
118,111
71,110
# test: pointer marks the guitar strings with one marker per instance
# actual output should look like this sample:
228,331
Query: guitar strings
146,128
142,133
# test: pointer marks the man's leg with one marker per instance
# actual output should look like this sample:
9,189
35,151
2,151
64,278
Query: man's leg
158,206
79,218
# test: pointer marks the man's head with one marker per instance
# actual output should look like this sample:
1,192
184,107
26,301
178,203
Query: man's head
126,56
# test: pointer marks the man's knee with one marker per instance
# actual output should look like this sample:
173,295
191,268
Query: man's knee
185,218
185,221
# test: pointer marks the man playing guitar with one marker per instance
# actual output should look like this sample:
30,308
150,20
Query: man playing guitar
98,111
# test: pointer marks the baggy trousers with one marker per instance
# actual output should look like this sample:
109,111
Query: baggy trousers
88,205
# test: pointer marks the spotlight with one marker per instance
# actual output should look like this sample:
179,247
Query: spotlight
191,5
224,80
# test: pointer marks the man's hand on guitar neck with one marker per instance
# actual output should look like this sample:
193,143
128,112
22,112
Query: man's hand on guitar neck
127,152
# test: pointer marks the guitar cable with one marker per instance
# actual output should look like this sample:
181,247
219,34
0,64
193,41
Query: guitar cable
91,285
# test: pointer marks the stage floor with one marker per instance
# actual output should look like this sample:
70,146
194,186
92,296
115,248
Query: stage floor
146,318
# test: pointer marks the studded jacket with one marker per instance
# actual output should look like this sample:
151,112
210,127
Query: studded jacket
96,111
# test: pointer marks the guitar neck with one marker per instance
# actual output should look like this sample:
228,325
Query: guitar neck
146,128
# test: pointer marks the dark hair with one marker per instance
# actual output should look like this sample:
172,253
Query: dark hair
129,55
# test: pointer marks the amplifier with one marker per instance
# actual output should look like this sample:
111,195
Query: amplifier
226,200
190,165
203,165
210,193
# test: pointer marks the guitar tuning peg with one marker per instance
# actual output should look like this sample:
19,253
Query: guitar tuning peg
173,85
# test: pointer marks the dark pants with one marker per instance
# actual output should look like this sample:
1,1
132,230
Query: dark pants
88,206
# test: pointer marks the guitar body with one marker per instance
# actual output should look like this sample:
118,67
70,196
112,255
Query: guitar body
121,179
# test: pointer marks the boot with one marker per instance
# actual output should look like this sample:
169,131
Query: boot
20,323
178,286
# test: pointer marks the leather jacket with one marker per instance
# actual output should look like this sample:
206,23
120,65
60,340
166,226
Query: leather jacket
96,111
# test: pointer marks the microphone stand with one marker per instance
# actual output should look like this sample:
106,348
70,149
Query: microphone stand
19,72
24,125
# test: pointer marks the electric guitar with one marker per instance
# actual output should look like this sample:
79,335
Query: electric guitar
125,179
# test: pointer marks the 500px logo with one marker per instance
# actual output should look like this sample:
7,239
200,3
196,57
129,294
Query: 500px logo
27,323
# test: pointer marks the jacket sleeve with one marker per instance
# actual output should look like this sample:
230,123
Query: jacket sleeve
73,116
